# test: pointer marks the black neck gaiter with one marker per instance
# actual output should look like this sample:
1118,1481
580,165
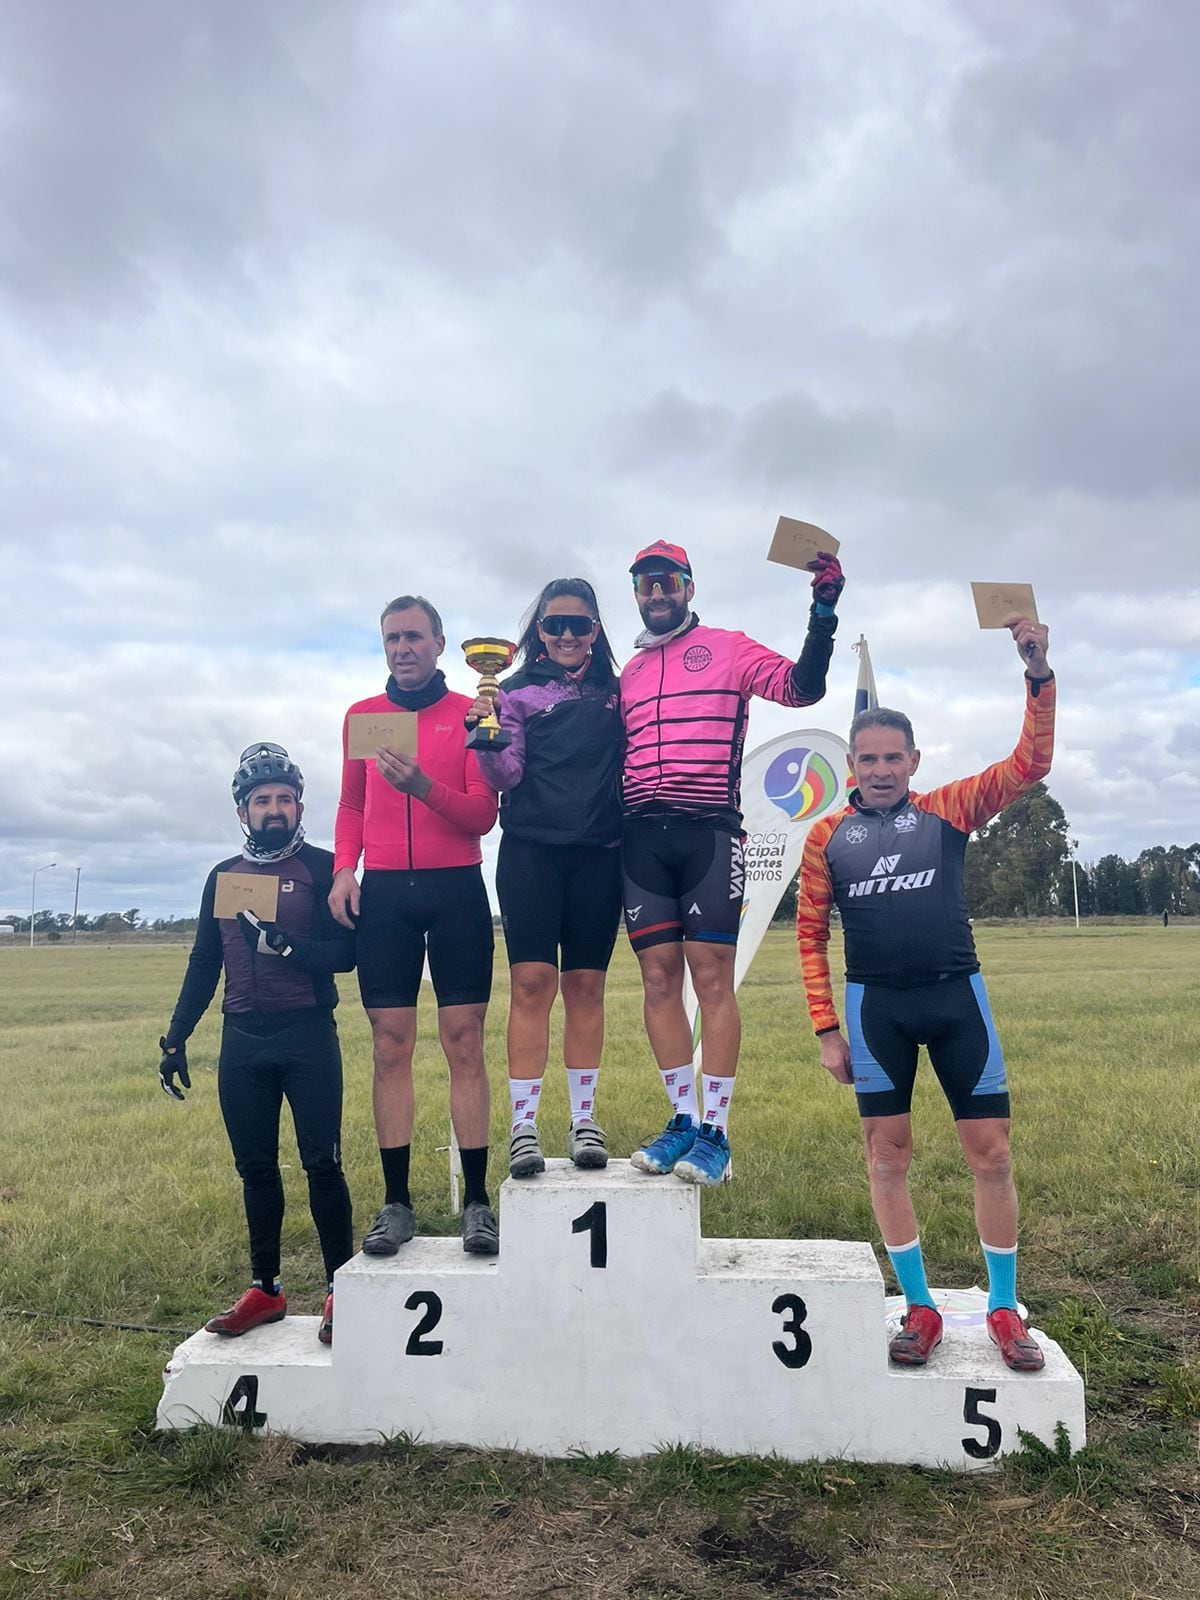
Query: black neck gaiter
417,699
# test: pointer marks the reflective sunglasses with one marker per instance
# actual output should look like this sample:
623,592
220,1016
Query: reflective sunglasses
672,583
266,748
577,627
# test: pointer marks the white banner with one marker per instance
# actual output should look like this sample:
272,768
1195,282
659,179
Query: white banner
787,785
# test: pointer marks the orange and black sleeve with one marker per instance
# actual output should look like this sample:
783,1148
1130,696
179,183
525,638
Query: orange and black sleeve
814,898
971,802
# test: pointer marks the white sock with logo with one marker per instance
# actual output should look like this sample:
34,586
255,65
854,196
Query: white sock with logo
718,1092
680,1084
581,1086
524,1093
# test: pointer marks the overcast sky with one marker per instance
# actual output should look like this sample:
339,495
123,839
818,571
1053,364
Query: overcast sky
304,305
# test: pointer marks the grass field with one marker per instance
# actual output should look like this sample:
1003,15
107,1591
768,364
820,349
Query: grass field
117,1204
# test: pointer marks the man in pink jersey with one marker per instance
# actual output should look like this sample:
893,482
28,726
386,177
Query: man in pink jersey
684,702
416,822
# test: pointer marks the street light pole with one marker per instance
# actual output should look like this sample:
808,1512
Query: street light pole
1074,879
75,913
33,897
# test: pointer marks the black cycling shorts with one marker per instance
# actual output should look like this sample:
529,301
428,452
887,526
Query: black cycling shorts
682,880
442,911
953,1020
559,896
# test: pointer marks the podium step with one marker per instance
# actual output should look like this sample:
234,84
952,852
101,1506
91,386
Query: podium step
608,1323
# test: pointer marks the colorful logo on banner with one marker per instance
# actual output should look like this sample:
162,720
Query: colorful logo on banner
801,783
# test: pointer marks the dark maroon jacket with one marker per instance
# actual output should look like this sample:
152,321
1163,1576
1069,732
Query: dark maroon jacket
255,984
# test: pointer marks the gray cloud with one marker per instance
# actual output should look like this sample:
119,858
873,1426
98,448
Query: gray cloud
302,306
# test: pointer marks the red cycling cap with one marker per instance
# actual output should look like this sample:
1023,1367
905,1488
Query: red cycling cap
672,555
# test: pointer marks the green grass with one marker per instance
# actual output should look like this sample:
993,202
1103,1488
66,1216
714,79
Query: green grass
116,1203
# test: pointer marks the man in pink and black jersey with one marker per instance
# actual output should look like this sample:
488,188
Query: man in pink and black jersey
416,823
684,702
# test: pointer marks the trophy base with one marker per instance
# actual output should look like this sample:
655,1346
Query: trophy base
484,738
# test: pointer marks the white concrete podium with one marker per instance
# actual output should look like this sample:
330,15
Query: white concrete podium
608,1323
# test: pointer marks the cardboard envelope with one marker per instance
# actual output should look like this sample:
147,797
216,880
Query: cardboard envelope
797,543
369,729
247,891
996,602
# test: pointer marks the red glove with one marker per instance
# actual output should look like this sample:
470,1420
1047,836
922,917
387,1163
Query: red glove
828,579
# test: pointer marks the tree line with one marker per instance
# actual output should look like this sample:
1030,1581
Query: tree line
59,925
1020,865
1017,866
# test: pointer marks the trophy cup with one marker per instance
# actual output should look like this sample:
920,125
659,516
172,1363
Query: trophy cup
488,657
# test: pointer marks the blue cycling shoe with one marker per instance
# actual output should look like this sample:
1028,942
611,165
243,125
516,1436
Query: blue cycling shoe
674,1142
708,1160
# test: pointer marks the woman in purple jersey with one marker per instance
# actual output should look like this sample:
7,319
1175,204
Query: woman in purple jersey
559,870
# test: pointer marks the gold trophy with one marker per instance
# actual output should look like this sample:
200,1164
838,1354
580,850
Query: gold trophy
488,657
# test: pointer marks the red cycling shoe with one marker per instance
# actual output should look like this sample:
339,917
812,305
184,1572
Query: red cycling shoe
1008,1330
325,1331
251,1311
919,1336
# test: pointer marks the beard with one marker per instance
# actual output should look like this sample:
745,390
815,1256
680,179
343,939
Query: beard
274,834
666,621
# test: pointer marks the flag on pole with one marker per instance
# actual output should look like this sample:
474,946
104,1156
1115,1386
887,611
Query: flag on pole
866,696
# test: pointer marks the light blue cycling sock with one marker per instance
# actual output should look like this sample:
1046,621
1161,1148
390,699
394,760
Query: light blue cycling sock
909,1267
1002,1275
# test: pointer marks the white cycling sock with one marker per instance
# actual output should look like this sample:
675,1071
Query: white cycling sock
582,1088
524,1093
718,1092
680,1084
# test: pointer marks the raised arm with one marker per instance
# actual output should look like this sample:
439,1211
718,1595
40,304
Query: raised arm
770,676
971,802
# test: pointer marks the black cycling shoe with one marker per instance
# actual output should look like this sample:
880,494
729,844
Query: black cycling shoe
394,1226
480,1230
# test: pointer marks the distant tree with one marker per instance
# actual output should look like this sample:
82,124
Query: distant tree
1156,879
1117,888
786,910
1183,869
130,918
1014,865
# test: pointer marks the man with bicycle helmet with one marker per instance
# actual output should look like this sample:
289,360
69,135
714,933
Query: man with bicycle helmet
279,1040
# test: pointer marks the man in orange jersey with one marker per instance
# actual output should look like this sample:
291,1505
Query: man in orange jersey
892,862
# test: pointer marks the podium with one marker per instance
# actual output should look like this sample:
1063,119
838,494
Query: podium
608,1323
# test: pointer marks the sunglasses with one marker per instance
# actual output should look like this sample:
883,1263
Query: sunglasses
577,627
672,583
264,749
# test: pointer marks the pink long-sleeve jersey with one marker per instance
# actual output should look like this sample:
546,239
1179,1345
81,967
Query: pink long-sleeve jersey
394,832
685,705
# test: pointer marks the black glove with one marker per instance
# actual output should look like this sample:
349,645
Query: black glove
264,938
173,1062
828,580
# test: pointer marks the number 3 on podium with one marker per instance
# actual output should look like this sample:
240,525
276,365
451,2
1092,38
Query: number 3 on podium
798,1352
